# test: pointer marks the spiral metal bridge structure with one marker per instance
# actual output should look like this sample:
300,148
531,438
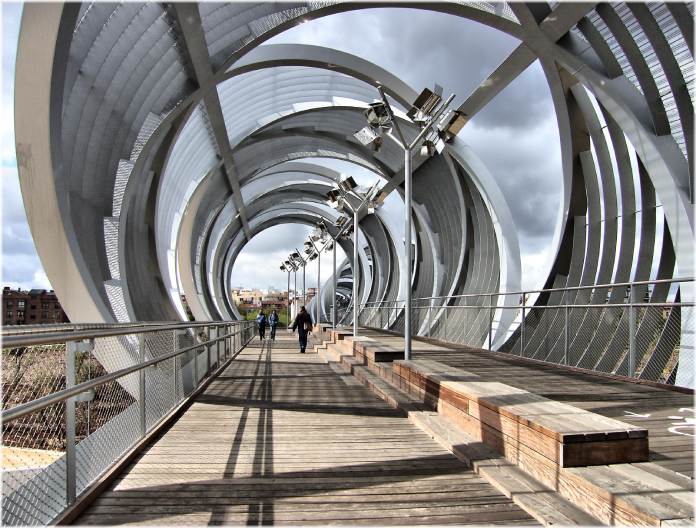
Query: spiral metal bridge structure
156,140
165,136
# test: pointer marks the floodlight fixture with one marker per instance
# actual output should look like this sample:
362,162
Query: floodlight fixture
425,104
427,148
295,255
340,221
378,116
453,124
347,184
366,135
282,267
333,195
308,243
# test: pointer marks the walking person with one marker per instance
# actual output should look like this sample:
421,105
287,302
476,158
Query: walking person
303,324
273,322
261,321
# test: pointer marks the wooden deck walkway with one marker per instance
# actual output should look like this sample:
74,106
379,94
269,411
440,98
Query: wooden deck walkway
280,438
668,415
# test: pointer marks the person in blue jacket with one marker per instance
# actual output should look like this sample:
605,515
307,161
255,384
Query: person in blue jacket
273,322
261,321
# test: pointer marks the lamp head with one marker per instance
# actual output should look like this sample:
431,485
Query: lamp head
425,104
377,115
452,125
333,195
347,184
366,135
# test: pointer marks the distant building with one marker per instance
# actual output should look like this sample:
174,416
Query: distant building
31,307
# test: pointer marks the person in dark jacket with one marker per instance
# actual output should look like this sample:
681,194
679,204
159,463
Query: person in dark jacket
273,322
261,321
303,324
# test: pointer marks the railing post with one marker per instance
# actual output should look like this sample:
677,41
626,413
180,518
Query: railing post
71,349
524,309
177,363
70,472
566,340
490,322
430,320
217,346
444,307
196,351
632,323
141,386
208,346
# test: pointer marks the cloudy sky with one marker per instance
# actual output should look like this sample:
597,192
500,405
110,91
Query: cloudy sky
20,264
515,135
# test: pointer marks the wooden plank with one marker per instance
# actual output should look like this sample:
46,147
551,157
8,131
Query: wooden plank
281,438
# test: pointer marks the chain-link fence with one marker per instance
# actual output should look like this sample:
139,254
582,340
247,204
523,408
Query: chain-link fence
75,402
629,329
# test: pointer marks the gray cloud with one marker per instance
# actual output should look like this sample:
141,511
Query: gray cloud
291,235
257,266
21,266
11,15
515,135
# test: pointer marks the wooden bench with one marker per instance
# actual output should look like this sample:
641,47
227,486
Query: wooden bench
518,423
371,351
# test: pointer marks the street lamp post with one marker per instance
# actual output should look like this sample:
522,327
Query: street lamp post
356,273
319,235
288,305
338,198
287,266
426,112
335,285
340,224
294,292
300,261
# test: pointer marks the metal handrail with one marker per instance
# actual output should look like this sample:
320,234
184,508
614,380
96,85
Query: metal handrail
549,290
13,341
9,415
45,328
554,306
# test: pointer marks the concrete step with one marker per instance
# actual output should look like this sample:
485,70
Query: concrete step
541,502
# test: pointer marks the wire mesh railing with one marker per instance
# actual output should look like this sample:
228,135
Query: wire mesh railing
75,402
630,329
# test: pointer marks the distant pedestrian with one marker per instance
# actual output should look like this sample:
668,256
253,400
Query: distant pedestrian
273,322
303,324
261,321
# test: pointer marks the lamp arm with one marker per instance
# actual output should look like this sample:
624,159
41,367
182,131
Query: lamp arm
402,139
432,121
